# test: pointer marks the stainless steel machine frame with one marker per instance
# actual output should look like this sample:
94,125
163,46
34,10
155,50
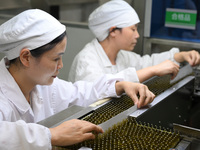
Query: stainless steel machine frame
176,106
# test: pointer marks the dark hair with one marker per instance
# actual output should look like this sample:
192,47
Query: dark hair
116,29
41,50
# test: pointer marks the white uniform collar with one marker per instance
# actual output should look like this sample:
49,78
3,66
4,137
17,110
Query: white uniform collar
11,89
100,51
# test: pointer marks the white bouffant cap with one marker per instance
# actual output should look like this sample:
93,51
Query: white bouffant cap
113,13
30,29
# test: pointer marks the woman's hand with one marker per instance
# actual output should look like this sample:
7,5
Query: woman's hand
166,67
133,90
192,57
73,131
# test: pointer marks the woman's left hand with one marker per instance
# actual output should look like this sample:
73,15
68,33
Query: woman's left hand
133,90
192,57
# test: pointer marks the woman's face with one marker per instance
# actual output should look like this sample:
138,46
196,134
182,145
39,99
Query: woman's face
45,68
127,38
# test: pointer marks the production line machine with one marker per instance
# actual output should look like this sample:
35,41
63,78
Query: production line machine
171,121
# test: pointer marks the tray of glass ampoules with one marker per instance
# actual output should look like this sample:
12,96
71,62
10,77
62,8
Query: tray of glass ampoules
130,135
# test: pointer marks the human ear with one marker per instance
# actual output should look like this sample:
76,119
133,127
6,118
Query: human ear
112,30
25,55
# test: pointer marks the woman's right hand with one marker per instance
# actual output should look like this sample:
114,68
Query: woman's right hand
166,67
73,131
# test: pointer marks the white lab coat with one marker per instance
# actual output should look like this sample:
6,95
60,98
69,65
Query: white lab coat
45,101
92,62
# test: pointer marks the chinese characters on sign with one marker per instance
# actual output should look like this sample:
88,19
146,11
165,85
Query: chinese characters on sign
180,18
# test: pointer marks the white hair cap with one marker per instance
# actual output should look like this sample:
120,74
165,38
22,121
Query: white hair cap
113,13
30,29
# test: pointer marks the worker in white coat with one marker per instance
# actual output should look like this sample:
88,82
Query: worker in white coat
30,91
114,25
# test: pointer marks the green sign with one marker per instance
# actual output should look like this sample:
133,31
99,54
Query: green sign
180,18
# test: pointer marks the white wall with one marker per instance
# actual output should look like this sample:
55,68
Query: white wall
77,38
4,18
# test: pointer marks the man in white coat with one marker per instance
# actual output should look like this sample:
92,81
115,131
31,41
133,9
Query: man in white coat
114,25
30,91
